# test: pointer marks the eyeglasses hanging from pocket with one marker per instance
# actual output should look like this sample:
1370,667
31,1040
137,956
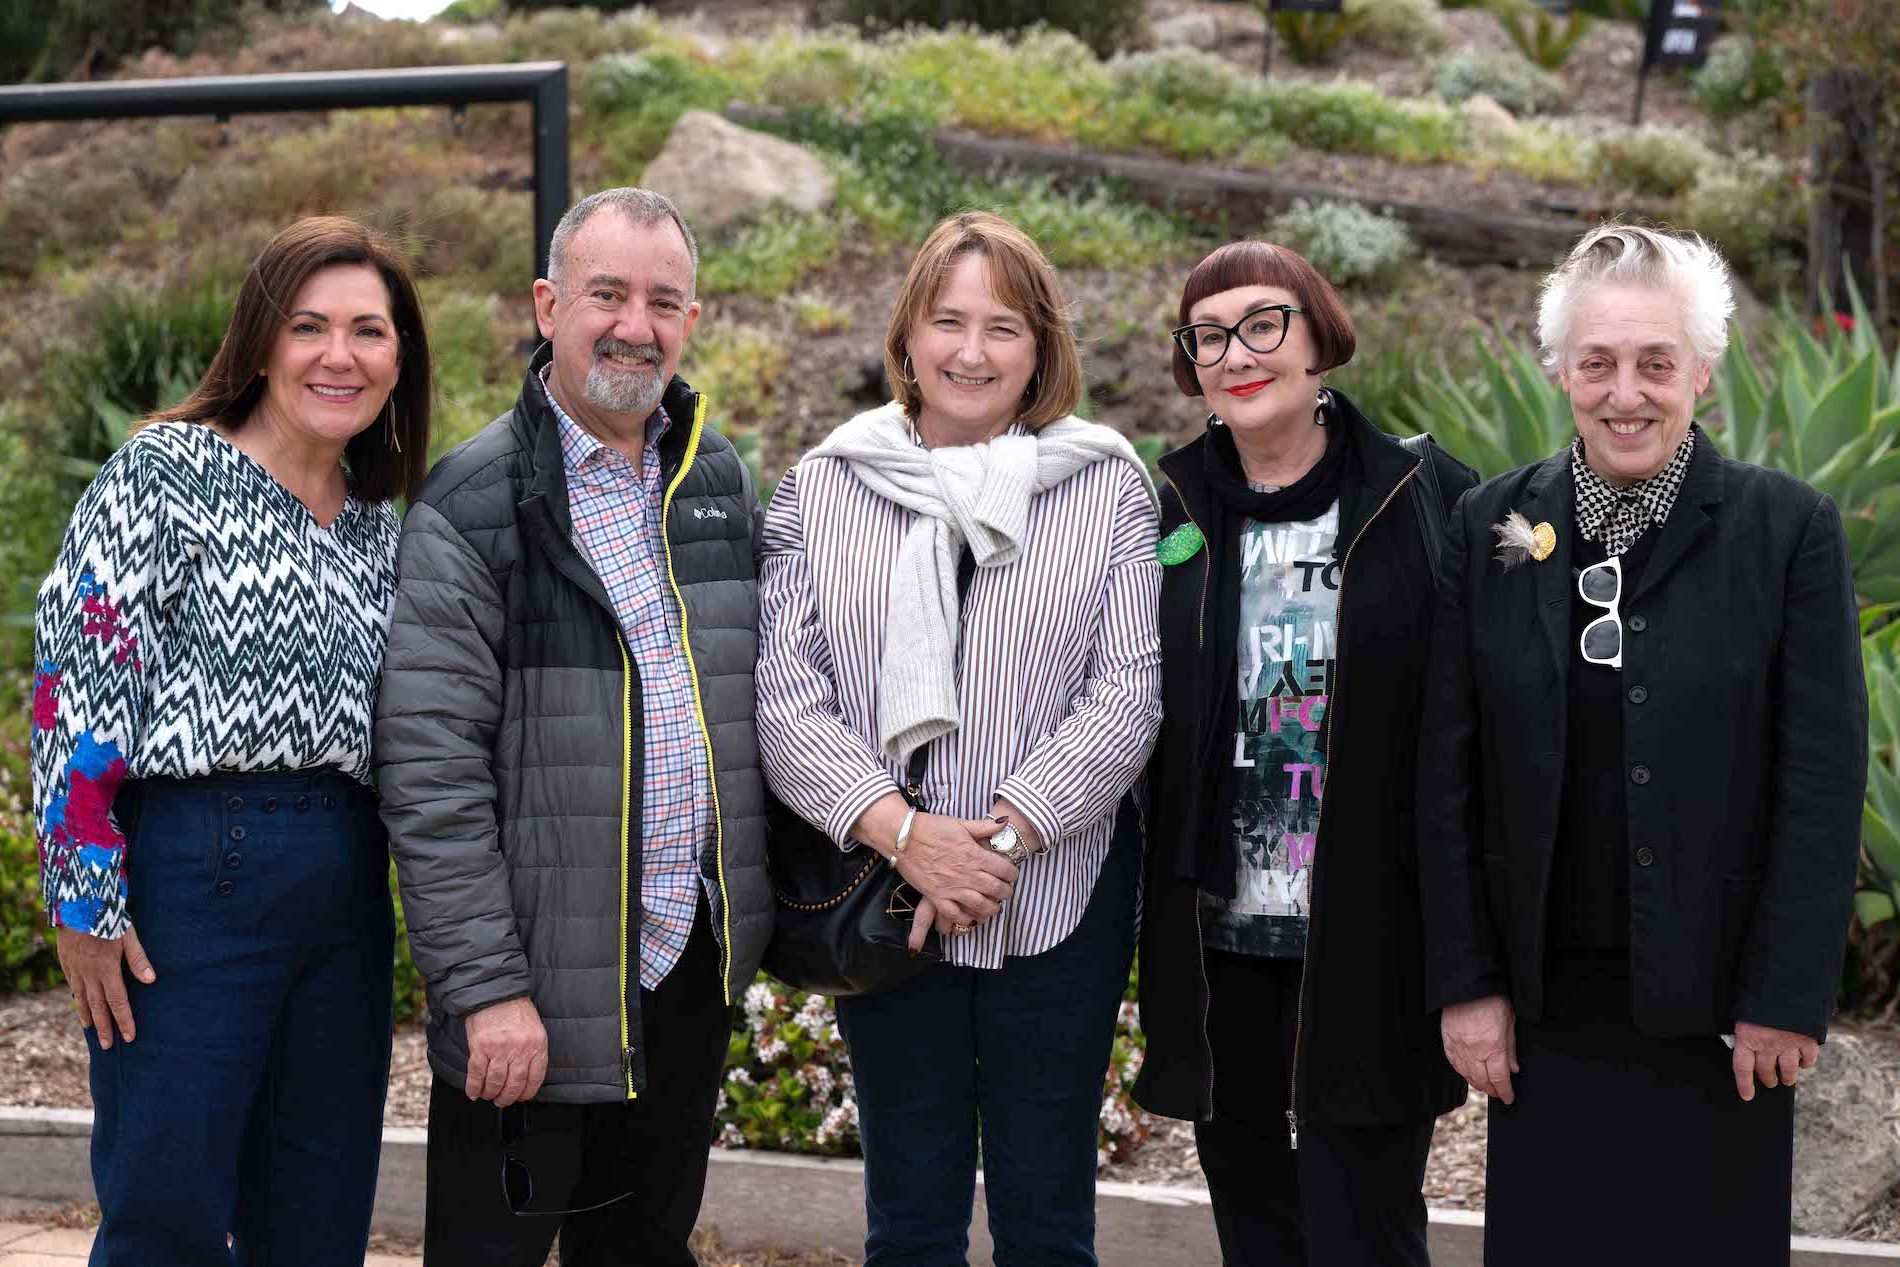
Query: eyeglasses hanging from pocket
517,1182
1601,585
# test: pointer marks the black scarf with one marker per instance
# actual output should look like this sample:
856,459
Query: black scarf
1233,504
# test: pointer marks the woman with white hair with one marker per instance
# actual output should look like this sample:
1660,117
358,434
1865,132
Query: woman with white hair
1639,792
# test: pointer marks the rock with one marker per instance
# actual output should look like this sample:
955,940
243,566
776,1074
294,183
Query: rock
719,172
1487,118
1846,1137
1186,30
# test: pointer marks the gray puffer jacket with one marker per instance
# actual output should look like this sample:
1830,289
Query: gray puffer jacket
508,751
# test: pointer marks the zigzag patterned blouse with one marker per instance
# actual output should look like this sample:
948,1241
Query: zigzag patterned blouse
197,620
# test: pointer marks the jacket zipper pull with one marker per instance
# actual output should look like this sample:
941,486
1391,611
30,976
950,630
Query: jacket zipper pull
626,1066
1293,1129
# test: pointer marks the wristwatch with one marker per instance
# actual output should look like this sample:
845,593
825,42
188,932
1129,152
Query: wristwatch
1008,842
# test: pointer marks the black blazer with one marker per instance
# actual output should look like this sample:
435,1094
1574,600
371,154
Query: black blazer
1744,734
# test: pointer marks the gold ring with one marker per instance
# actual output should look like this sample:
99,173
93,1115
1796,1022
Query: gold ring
962,928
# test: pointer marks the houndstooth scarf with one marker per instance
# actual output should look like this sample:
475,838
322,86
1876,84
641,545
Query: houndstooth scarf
1617,516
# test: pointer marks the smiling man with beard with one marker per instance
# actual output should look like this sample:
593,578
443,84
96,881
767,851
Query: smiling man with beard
565,750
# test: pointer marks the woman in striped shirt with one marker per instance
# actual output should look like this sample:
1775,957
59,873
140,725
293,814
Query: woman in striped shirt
1036,694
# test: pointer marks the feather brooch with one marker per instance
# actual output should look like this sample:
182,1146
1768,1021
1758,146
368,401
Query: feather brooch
1518,542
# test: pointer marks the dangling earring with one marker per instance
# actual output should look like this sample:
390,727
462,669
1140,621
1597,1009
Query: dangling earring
1213,420
390,437
910,375
1321,404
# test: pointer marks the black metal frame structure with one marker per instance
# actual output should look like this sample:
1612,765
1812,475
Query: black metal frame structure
544,84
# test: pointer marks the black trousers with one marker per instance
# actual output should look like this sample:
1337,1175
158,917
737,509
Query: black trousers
579,1154
1349,1196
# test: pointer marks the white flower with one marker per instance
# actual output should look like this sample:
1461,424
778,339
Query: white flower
758,1001
741,1076
731,1136
770,1047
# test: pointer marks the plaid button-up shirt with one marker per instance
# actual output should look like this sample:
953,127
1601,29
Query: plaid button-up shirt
617,526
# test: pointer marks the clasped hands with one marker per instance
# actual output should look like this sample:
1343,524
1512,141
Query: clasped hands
1481,1043
960,880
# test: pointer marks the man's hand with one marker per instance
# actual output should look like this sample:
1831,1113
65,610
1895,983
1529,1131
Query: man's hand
95,973
507,1052
1773,1055
1481,1043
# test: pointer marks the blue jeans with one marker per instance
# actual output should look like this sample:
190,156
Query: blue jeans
1024,1049
244,1123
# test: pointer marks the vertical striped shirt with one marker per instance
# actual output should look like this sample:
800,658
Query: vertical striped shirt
616,512
1058,680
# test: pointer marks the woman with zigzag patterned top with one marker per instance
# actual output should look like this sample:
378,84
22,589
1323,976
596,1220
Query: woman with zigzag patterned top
207,649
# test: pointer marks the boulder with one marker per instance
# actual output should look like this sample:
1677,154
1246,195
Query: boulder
1186,30
1846,1137
719,172
1487,118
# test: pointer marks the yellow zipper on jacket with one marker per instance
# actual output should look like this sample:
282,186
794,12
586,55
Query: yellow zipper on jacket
699,708
626,807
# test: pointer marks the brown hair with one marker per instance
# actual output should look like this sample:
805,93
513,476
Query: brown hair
232,387
1250,263
1023,280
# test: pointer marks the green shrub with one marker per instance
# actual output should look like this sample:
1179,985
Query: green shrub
771,255
477,372
1739,76
47,41
1103,25
1654,159
1184,102
140,351
1402,27
738,369
636,98
1347,243
408,1000
1512,82
1545,149
27,961
1356,118
1751,206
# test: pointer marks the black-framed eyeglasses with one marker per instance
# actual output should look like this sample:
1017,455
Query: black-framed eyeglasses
517,1183
1601,585
1263,330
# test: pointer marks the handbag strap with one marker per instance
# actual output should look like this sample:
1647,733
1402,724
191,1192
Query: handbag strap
1428,501
920,759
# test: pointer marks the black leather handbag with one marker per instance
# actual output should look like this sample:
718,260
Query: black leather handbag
843,919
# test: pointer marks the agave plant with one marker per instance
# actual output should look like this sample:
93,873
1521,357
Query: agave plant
1510,414
1312,37
1539,35
1877,895
1826,407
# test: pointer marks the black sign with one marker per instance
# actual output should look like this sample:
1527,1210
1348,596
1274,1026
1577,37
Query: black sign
1307,6
1680,32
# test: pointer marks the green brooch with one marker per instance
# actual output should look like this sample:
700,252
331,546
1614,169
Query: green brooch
1180,545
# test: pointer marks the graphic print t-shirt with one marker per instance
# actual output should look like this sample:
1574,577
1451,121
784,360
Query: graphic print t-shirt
1289,603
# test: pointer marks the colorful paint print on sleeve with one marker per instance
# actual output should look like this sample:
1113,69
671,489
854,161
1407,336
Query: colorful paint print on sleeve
1288,610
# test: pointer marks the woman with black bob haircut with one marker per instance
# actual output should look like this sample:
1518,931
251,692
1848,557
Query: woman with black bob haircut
207,649
1281,983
